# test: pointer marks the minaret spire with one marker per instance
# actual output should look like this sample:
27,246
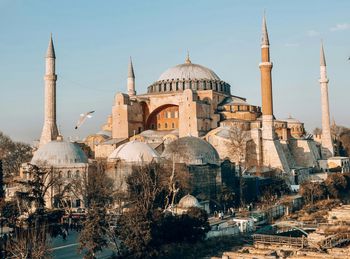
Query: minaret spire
326,140
322,56
266,84
131,79
50,131
265,36
50,53
131,73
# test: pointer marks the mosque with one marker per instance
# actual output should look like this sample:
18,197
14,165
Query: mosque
187,117
191,101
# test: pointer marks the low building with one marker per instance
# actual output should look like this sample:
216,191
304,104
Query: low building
336,164
67,163
201,161
124,158
245,224
187,202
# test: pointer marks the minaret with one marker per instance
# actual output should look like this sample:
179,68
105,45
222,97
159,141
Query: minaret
326,141
131,79
266,84
50,131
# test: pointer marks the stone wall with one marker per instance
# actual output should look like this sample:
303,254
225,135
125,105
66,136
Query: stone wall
305,152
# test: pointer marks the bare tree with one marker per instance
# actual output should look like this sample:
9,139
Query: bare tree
13,155
312,191
177,181
29,243
238,139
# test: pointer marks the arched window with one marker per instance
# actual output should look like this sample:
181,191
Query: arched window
69,174
173,125
158,125
166,125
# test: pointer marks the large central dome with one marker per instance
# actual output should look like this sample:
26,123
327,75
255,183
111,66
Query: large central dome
187,71
189,76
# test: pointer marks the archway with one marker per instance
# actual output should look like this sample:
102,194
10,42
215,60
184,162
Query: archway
165,117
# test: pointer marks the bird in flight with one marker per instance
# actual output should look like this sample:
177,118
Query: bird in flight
83,117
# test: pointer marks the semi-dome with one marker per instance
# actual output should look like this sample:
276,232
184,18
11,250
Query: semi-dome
188,201
134,152
192,151
106,133
59,153
187,71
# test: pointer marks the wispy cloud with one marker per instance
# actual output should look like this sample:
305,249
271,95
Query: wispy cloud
291,45
312,33
340,27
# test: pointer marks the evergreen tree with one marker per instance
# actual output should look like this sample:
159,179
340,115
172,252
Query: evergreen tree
93,236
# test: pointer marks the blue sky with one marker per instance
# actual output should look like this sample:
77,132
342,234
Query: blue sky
94,39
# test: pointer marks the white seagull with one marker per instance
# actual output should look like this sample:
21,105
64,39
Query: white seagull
83,117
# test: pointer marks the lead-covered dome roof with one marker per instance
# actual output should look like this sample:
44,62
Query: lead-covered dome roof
187,71
191,151
134,152
189,76
59,153
188,201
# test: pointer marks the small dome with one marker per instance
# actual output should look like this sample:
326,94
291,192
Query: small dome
134,152
188,71
192,151
188,201
59,153
290,119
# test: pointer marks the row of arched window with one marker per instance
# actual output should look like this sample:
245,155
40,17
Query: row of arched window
69,174
164,126
167,86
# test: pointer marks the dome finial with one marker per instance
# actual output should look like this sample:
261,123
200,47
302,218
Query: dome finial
188,61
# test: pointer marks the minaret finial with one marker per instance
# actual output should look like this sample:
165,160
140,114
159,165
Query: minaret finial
265,35
322,56
131,73
50,53
188,60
